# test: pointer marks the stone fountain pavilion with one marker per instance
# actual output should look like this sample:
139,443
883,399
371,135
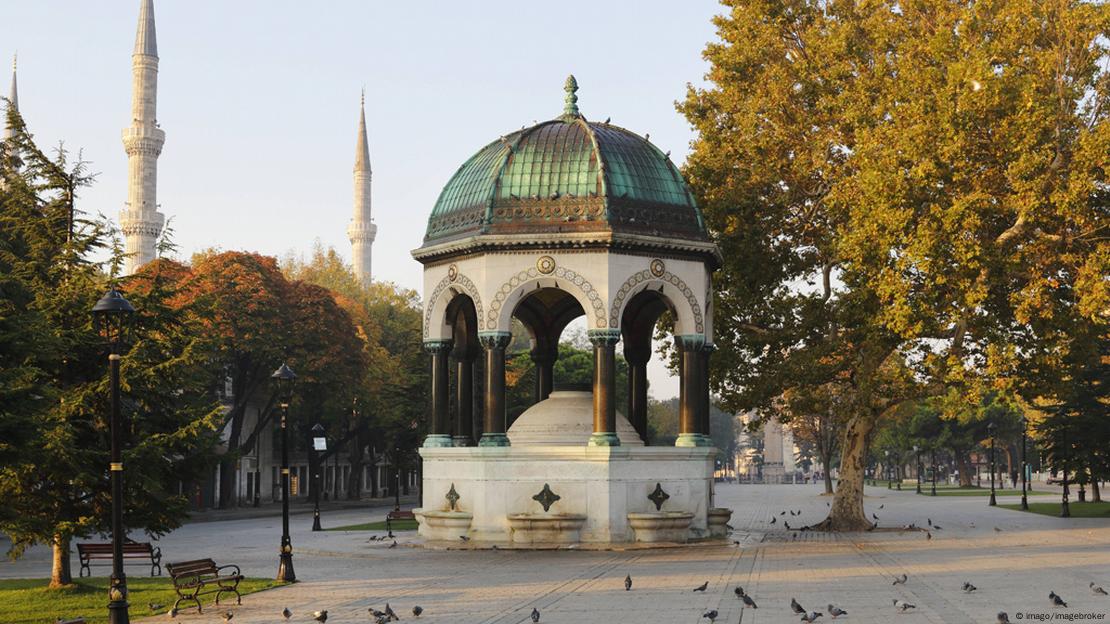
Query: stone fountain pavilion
564,219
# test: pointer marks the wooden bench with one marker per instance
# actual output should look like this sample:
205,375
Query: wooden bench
87,552
192,579
397,514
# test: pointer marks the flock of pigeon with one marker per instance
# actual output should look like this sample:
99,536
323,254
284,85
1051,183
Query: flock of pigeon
899,605
389,615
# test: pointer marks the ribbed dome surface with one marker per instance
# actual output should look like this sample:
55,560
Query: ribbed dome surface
566,175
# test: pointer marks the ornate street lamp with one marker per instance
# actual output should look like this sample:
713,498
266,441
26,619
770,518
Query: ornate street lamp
284,377
990,430
1024,499
319,443
114,321
917,460
933,458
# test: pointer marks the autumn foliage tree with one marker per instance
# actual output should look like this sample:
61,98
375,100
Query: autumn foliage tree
899,189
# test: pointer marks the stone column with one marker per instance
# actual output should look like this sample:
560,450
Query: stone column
773,469
637,388
439,435
494,388
464,399
544,359
605,387
691,381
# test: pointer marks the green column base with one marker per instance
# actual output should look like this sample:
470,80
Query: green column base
438,440
494,439
692,439
604,439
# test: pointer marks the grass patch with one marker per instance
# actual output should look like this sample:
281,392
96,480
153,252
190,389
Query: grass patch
1078,510
30,601
398,525
981,492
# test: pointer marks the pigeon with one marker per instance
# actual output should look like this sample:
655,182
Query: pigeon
928,535
394,544
900,580
811,616
1003,618
902,605
930,521
792,514
417,610
998,530
1057,601
836,611
1097,589
389,612
883,505
828,505
227,616
786,524
607,120
702,587
320,616
628,582
797,608
286,613
464,538
937,527
739,591
748,601
968,587
535,614
710,615
773,520
159,607
874,516
782,513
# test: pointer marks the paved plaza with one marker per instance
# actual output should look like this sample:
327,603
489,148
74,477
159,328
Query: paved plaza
1014,559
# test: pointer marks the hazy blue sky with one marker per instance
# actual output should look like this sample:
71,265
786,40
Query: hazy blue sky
259,101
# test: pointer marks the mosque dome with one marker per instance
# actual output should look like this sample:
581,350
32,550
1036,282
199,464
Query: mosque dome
566,176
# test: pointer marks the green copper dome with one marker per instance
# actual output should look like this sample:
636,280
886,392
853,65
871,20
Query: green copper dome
567,175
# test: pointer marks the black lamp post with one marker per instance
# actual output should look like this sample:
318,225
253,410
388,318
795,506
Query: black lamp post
917,460
1024,499
990,430
114,320
284,377
933,455
318,441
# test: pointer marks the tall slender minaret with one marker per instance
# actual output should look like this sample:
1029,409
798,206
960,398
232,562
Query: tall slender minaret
362,230
140,220
13,103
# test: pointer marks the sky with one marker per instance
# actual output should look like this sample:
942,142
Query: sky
259,102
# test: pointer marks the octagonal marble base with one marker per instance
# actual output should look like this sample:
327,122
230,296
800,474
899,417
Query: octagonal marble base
602,484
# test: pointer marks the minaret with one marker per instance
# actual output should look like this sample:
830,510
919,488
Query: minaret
13,103
140,220
362,230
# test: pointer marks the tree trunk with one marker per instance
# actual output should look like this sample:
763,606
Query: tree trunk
60,574
828,482
963,464
846,512
1096,494
228,499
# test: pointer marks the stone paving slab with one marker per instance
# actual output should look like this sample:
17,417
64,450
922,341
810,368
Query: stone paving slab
1014,558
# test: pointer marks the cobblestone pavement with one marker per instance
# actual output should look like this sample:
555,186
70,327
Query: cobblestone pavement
1014,559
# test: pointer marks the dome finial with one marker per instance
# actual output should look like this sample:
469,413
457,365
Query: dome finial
570,109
